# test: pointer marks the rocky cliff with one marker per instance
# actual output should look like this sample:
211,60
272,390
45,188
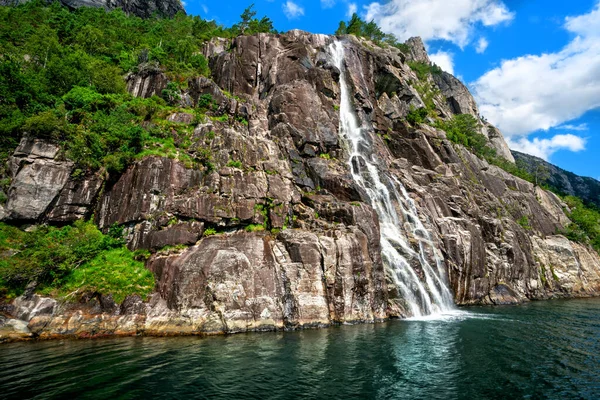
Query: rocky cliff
141,8
563,181
278,162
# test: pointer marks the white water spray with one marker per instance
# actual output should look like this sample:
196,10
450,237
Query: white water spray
422,286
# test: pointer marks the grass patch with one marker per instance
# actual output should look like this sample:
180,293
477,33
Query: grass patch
113,271
60,260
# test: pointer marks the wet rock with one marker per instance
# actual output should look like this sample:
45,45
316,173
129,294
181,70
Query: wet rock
13,330
28,307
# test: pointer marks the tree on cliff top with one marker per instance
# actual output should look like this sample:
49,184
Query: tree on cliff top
370,30
249,25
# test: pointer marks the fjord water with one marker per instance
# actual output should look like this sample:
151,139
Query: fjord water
537,350
425,292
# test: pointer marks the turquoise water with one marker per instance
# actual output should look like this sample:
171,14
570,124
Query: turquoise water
539,350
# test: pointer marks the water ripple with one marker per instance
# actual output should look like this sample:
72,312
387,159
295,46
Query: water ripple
539,350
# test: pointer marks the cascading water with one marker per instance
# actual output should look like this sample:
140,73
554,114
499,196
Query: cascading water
422,286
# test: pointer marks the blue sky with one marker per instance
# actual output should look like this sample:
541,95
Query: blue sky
532,65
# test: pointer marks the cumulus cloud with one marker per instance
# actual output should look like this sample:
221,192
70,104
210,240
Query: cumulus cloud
351,9
437,19
544,148
482,45
571,127
539,92
443,60
292,10
327,3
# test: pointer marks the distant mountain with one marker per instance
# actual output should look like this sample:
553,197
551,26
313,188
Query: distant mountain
566,182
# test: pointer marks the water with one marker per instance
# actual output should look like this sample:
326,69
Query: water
539,350
423,286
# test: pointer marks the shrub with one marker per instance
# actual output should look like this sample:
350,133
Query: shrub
420,68
417,116
254,228
235,164
57,258
524,222
210,232
206,102
113,271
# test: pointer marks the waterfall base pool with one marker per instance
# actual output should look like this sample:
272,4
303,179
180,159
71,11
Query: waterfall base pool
537,350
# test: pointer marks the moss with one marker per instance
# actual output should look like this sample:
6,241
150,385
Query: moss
210,232
235,164
254,228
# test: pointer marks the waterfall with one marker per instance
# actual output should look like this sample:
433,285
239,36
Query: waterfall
422,286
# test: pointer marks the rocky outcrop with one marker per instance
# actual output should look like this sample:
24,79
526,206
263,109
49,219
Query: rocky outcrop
38,178
43,187
141,8
565,182
270,229
148,81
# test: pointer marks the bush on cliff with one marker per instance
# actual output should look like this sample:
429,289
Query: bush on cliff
370,30
61,260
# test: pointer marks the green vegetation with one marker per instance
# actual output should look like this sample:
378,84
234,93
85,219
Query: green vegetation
210,231
369,30
524,222
113,271
62,76
423,70
417,116
235,164
254,228
465,129
586,222
64,260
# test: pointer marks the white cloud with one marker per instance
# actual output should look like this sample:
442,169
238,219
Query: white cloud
437,19
327,3
482,45
204,8
539,92
351,9
544,148
571,127
292,10
443,60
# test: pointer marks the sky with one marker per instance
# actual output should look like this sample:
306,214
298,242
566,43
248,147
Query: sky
533,66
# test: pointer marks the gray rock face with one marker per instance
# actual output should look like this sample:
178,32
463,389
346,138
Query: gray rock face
317,260
459,99
37,179
141,8
42,187
417,50
28,307
150,81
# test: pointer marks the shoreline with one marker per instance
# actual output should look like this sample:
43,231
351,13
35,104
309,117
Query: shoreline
127,330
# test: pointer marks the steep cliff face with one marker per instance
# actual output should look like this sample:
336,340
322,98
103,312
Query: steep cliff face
317,258
141,8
